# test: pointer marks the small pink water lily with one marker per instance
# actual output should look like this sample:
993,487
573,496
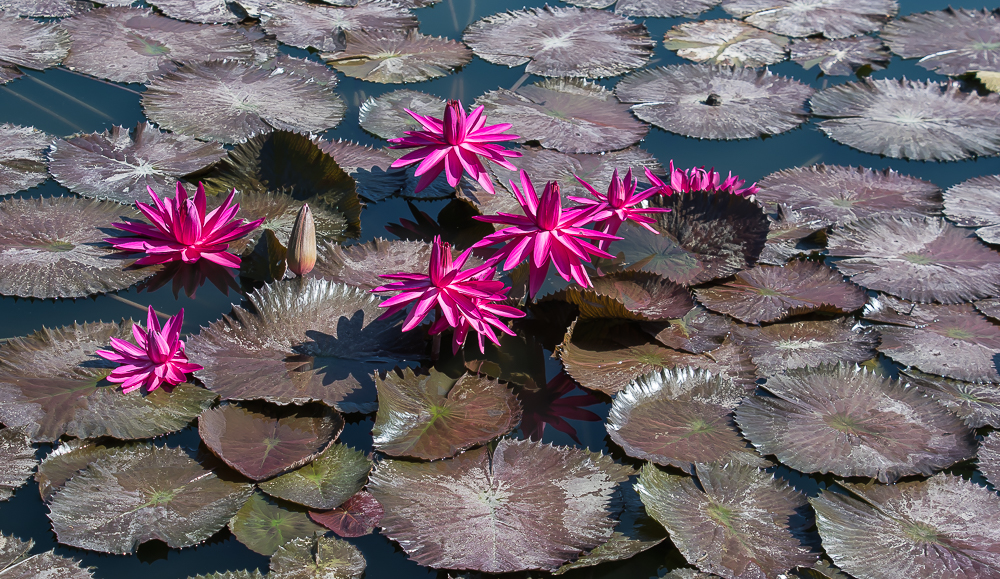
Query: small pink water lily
182,231
698,179
156,359
490,316
623,203
453,145
546,232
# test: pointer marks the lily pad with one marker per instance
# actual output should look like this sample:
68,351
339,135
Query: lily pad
734,520
326,482
726,42
904,119
526,505
697,331
264,525
768,293
17,563
853,423
629,295
571,115
318,558
22,157
790,234
117,166
747,103
779,347
651,8
911,530
679,418
204,11
831,18
17,460
840,57
557,41
9,72
361,265
397,56
318,26
198,100
989,458
299,341
30,43
950,41
69,458
241,574
977,405
357,517
384,116
976,203
916,258
148,493
45,8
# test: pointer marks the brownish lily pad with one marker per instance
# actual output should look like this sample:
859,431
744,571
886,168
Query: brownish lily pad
977,405
204,11
916,258
146,493
831,18
697,331
397,56
735,520
558,41
384,116
264,525
353,157
904,119
950,41
840,57
912,530
989,458
241,574
434,416
119,166
976,203
318,26
319,558
630,295
679,418
713,102
46,8
853,423
70,457
357,517
229,102
31,44
768,293
571,115
726,42
790,234
779,347
22,157
989,308
526,505
651,8
17,460
361,265
326,482
16,562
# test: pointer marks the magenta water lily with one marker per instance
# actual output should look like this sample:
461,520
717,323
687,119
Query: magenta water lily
623,203
699,179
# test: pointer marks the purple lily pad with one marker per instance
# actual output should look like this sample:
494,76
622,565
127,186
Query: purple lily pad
977,405
976,203
22,158
840,57
203,11
989,458
353,157
355,518
697,331
950,41
831,18
264,525
361,265
727,42
45,8
779,347
557,41
16,562
651,8
989,308
788,236
318,557
397,56
384,117
318,26
17,460
31,44
325,483
629,295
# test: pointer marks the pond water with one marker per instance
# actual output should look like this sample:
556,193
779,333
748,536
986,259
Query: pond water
61,103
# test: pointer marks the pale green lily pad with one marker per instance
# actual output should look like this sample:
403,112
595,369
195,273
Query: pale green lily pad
264,525
17,460
727,42
317,558
326,482
17,563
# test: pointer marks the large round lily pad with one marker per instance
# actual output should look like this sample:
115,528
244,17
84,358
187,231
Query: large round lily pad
22,157
976,203
318,558
326,482
831,18
977,405
264,525
361,265
17,460
70,457
840,57
778,347
726,42
950,41
31,44
653,8
16,562
397,56
321,26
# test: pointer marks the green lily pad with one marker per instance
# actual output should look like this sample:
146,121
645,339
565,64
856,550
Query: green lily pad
17,460
264,525
317,558
325,483
727,42
17,563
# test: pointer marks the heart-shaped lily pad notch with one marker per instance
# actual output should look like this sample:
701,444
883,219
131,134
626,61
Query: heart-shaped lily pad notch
145,493
911,530
318,557
851,422
357,517
17,460
53,384
326,482
361,265
435,416
301,340
734,520
630,295
22,157
977,405
779,347
680,417
261,440
16,562
264,525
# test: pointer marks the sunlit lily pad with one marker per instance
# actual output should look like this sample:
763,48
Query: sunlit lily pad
653,8
727,42
713,102
925,121
357,517
571,115
70,457
779,347
318,26
791,234
916,258
317,558
558,41
147,493
734,520
241,574
326,482
768,293
853,423
629,295
229,102
950,41
17,460
977,405
840,57
264,525
697,331
680,417
22,157
548,165
397,56
205,11
299,341
361,265
912,530
526,505
371,168
46,8
976,203
384,116
831,18
17,563
989,308
989,458
31,44
119,166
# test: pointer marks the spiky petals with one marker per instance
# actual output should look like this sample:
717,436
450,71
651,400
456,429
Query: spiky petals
453,145
623,203
698,179
546,233
156,359
182,231
490,316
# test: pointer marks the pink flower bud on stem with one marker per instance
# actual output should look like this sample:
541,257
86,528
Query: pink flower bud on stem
302,243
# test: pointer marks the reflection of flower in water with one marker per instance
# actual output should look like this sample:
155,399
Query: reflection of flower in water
550,405
192,276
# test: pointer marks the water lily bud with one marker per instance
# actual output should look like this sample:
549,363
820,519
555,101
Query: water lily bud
302,243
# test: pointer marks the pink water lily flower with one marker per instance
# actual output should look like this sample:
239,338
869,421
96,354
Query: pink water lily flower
623,203
490,317
182,230
453,145
547,232
698,179
156,359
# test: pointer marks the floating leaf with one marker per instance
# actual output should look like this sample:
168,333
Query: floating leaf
713,102
30,43
990,80
904,119
198,100
652,8
321,26
69,458
9,72
526,506
147,493
790,234
17,460
318,558
361,265
950,41
16,563
355,518
831,18
989,308
697,331
397,56
629,295
241,574
571,115
977,405
916,258
911,530
768,293
726,42
989,459
840,57
45,8
779,347
734,520
118,166
976,203
326,482
299,341
264,525
558,41
384,116
680,417
853,423
22,157
205,11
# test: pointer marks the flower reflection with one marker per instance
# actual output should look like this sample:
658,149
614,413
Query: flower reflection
550,405
191,276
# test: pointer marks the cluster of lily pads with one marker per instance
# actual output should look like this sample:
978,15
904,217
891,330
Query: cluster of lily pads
741,366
